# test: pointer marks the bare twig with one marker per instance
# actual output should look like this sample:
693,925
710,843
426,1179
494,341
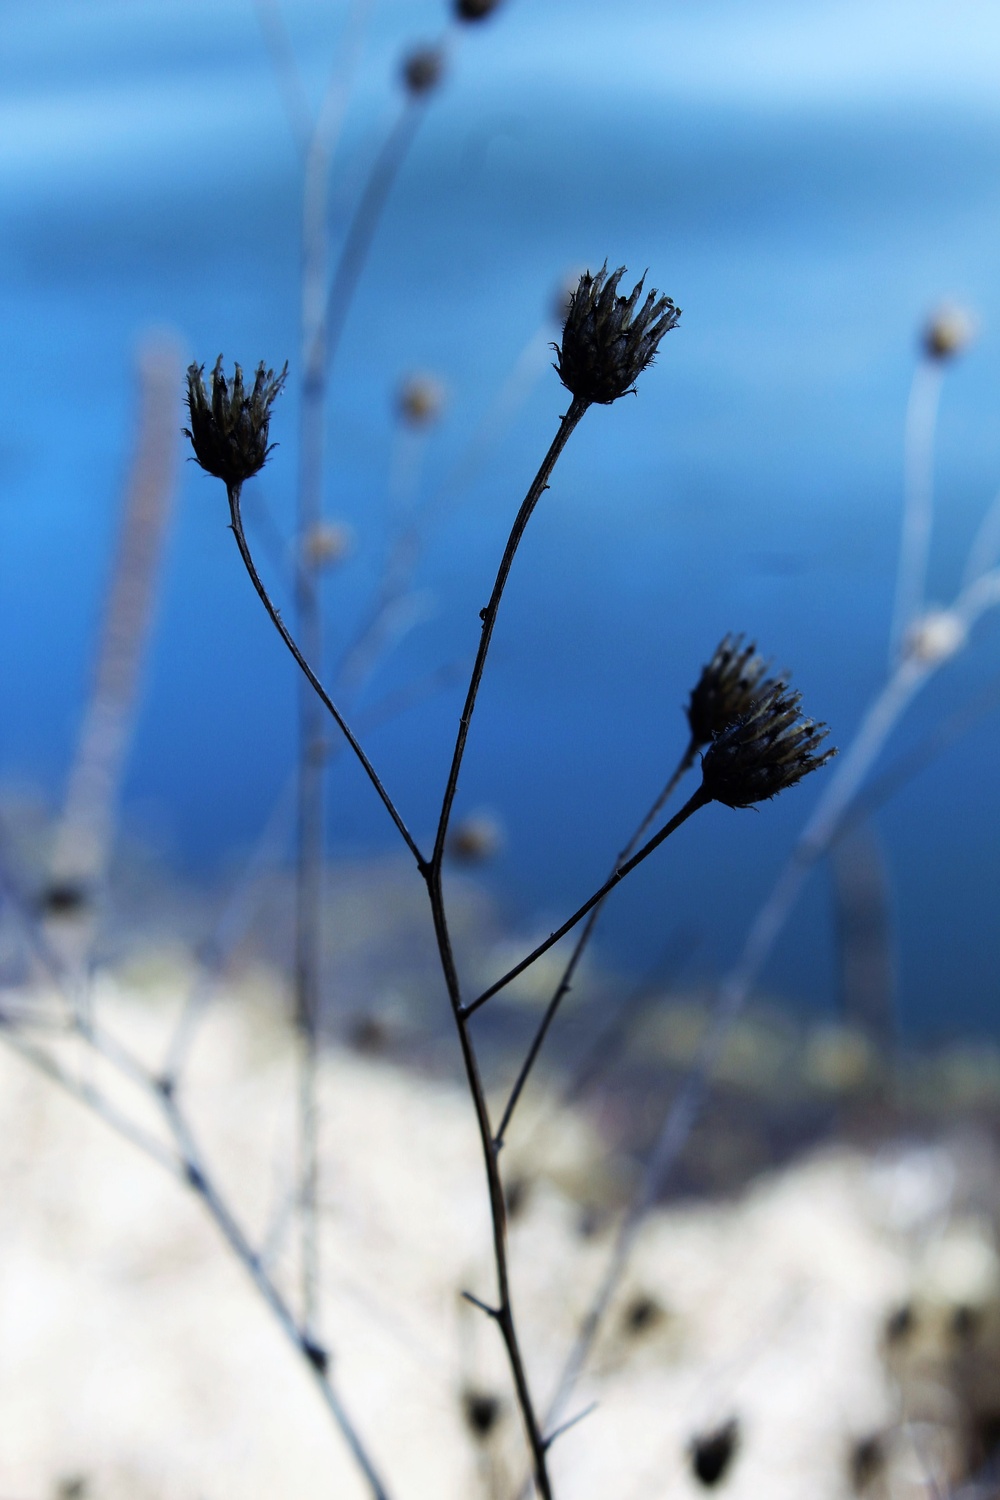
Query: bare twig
316,1358
317,686
699,799
566,980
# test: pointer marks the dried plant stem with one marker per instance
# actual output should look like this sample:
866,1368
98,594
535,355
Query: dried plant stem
200,1182
918,502
502,1313
489,618
317,686
563,987
365,219
699,799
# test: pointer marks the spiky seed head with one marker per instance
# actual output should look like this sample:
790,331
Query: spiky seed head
423,69
229,428
728,685
768,748
475,10
421,400
609,340
949,332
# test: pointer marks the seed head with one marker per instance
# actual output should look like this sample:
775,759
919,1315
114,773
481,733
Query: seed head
607,342
420,400
423,69
769,747
229,431
726,688
949,331
475,10
326,543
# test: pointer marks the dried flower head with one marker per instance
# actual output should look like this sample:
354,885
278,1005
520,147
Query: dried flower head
420,400
229,430
423,69
949,332
476,839
726,688
475,10
607,342
326,543
768,748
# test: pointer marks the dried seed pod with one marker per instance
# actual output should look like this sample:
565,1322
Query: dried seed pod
765,750
421,400
608,340
423,69
726,688
949,332
229,430
326,543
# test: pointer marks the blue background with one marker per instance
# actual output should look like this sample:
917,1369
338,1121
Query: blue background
807,181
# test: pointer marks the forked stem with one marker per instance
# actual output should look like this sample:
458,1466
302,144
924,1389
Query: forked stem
563,987
700,799
503,1313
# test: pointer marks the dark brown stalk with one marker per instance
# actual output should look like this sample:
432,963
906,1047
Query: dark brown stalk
317,686
700,799
489,617
502,1313
563,987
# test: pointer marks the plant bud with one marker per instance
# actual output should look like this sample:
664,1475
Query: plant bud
727,687
423,69
949,332
326,543
229,431
935,637
421,400
607,342
765,750
476,839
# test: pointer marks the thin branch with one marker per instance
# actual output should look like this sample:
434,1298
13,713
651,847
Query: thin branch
563,987
286,69
918,504
489,615
365,220
572,1422
86,1093
699,799
317,686
236,1238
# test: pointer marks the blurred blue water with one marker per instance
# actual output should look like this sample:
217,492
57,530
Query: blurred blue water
805,181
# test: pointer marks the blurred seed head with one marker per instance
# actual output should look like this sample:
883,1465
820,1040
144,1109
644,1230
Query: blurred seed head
765,750
949,331
727,688
421,399
475,10
423,70
229,429
326,543
475,839
609,340
936,636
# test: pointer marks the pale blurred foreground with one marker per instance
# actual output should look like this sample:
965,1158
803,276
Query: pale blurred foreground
843,1313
